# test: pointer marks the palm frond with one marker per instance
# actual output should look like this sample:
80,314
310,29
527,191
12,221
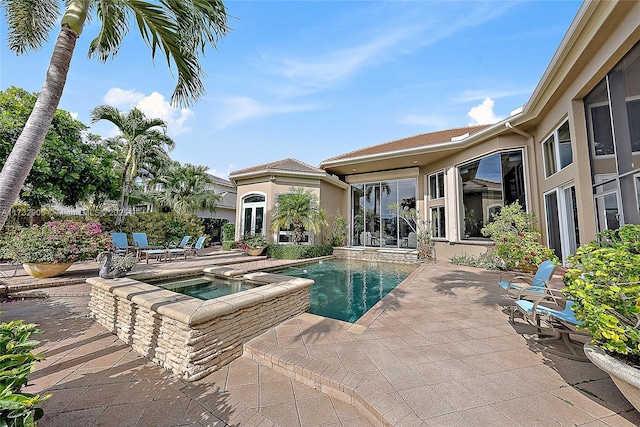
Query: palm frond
29,22
115,26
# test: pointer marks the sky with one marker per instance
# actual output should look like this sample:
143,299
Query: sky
316,79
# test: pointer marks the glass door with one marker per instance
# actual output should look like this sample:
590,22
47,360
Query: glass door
562,221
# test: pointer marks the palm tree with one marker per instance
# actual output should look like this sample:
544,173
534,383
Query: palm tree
300,210
143,143
180,30
185,188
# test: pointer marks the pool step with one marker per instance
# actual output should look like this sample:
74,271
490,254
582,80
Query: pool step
185,283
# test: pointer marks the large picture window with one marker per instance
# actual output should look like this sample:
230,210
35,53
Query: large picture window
383,213
486,185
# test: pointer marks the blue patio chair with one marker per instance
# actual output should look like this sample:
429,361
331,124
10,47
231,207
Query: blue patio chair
120,242
179,249
140,242
198,245
520,286
553,324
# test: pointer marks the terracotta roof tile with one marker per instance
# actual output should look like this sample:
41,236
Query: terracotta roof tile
285,165
411,142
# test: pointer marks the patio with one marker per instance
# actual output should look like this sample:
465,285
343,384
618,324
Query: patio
438,351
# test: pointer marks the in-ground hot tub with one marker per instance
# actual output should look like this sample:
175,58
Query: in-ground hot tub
189,336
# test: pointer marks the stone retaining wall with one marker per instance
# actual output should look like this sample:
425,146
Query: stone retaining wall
404,256
188,336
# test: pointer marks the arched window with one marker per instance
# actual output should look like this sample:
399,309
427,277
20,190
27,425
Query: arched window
253,208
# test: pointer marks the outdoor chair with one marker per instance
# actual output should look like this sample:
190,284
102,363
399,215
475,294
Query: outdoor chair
198,245
522,286
120,242
554,325
158,253
141,245
183,243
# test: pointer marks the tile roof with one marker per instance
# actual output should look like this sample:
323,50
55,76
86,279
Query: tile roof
285,165
411,142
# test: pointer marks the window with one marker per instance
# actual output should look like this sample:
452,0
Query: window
436,185
563,235
438,225
612,110
556,150
491,181
383,213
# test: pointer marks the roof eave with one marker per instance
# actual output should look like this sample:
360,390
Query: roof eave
472,139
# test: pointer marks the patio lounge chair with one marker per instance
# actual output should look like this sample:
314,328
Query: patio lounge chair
198,245
553,324
521,286
120,242
179,249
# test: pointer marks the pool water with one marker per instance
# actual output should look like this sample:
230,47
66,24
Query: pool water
346,289
203,287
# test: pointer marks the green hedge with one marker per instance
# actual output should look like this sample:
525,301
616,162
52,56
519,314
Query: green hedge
228,232
164,228
227,245
298,251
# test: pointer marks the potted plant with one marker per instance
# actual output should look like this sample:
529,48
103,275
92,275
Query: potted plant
604,282
253,244
48,250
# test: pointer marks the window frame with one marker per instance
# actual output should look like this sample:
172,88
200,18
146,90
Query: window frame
439,225
555,150
438,183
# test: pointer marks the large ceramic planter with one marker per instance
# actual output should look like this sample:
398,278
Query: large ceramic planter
254,251
625,377
45,270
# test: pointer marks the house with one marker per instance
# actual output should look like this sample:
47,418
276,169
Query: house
571,154
225,209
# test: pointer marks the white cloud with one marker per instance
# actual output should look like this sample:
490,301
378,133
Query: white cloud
119,98
483,114
240,108
153,106
73,115
230,168
477,95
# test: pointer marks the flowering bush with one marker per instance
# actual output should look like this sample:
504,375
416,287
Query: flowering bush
604,282
254,241
57,242
517,240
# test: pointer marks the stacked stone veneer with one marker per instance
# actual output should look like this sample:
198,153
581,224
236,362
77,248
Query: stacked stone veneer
192,337
404,256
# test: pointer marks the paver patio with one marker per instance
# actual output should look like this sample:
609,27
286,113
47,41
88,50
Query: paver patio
437,351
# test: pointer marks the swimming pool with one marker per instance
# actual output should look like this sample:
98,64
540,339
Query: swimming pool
204,287
346,289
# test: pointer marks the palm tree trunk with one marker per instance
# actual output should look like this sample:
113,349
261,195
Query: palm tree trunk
26,149
125,188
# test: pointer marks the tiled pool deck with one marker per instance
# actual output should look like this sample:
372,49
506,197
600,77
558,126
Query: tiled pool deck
437,351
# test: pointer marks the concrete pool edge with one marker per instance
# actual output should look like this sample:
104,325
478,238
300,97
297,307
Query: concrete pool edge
192,337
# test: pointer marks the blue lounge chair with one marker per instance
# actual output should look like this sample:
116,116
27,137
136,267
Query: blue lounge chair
553,324
179,249
520,286
199,245
141,243
120,242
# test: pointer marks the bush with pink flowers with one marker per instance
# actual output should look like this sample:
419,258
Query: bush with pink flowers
57,242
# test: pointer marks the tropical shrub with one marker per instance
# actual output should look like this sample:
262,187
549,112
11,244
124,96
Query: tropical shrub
517,239
228,232
604,282
227,245
339,231
17,361
57,242
298,251
252,241
489,260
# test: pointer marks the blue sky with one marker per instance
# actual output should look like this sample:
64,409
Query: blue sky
313,80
